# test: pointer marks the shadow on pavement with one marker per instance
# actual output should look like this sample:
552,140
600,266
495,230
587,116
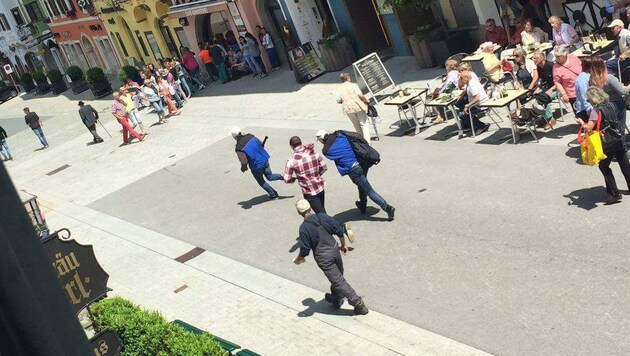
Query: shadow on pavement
248,204
355,215
587,198
322,307
576,152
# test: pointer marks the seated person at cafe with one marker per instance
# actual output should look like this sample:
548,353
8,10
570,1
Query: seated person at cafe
542,79
565,73
622,50
563,33
516,37
495,34
449,83
476,94
491,64
531,34
522,68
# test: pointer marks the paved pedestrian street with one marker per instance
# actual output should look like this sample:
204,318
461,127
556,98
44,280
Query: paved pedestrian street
496,247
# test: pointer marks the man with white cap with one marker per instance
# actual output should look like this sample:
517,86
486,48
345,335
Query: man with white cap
316,234
622,51
338,148
251,152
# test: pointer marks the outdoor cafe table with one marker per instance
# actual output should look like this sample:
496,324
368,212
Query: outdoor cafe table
495,103
599,48
448,105
405,104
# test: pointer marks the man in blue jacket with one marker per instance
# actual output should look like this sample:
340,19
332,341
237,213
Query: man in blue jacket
337,147
251,152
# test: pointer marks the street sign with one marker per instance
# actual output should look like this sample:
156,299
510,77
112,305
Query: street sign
8,69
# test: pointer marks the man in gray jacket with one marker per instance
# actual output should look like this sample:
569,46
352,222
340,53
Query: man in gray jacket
89,116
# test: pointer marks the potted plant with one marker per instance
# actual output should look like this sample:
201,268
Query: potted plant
56,81
419,43
98,82
42,82
77,79
337,52
129,71
27,82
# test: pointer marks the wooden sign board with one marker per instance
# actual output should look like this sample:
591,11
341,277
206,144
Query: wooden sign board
373,73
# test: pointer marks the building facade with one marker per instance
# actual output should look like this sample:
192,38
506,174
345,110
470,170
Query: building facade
81,35
12,50
43,52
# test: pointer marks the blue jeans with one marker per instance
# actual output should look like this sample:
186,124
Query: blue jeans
611,64
358,175
40,135
265,172
252,64
465,120
158,107
4,149
184,84
273,58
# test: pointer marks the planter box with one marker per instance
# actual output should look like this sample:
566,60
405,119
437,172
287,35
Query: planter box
79,86
59,87
101,89
29,87
339,56
43,88
421,51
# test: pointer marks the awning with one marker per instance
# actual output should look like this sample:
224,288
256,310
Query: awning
196,8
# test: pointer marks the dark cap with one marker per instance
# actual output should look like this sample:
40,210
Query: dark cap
80,103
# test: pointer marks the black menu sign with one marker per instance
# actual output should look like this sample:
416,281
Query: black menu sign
373,73
306,63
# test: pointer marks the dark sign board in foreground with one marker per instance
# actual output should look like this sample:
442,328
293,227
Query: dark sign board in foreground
373,73
306,63
106,343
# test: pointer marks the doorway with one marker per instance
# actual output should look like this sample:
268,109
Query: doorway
465,13
209,25
368,27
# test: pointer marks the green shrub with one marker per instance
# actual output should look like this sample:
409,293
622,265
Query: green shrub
54,75
128,72
39,76
145,332
95,75
26,79
75,73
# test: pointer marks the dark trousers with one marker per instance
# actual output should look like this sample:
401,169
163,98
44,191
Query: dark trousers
464,119
212,71
261,63
604,166
317,202
92,129
328,259
358,175
273,58
260,176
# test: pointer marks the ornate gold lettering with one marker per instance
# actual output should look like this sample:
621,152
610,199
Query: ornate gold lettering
60,265
72,261
70,290
77,279
103,347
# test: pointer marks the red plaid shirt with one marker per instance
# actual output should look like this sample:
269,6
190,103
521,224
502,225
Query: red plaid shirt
308,167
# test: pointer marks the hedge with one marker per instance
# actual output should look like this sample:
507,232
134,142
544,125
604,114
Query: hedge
128,72
39,76
54,75
75,73
144,332
94,75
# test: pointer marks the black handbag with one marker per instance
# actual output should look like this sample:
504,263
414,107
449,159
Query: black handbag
371,111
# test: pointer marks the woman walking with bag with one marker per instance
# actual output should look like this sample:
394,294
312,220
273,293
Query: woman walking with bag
604,118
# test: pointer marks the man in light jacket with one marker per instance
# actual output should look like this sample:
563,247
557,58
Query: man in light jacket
354,105
89,116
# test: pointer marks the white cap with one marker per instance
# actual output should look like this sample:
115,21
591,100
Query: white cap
321,134
302,206
484,46
235,131
616,22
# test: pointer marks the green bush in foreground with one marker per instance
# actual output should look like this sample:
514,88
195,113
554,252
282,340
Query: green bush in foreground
145,332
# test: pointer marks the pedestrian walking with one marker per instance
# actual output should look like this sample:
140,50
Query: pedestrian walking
131,103
4,148
119,110
316,234
354,105
307,166
89,117
251,152
340,146
35,123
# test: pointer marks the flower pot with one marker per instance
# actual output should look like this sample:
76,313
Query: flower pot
339,55
29,87
421,51
59,87
79,86
100,89
43,87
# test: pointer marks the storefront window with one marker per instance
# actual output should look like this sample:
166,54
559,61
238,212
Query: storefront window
122,44
181,35
155,48
141,41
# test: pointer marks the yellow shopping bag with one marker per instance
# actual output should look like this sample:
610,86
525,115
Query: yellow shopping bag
591,146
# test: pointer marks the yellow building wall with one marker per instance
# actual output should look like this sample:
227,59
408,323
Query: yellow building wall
142,16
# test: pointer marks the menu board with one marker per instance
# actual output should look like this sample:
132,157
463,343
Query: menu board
306,63
371,70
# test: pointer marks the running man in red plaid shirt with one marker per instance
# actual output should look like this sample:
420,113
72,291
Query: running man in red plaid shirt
308,167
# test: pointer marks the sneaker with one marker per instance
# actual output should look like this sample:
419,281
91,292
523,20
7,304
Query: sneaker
336,302
349,232
438,120
390,210
613,199
482,130
362,207
273,197
360,308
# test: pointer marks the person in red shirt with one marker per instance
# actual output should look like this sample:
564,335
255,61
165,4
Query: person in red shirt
520,27
307,166
495,34
206,57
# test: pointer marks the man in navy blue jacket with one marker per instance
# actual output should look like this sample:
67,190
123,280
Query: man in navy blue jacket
338,148
251,152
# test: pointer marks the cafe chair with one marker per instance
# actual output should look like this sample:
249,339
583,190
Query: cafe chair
492,86
484,112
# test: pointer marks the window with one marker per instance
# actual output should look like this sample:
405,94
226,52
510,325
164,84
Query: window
34,12
17,16
52,8
181,35
122,45
141,41
4,24
155,48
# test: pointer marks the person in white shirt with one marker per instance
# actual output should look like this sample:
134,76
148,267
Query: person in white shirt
267,43
448,85
476,94
622,51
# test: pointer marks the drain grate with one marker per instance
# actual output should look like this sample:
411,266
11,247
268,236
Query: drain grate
55,171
